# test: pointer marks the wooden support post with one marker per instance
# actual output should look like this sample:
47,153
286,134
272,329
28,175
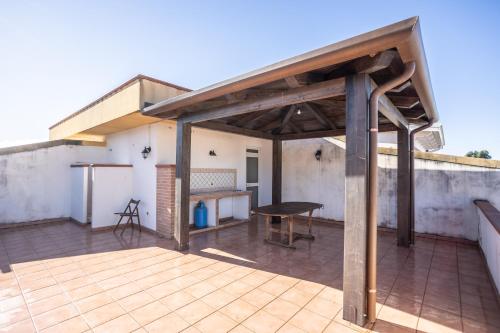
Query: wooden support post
277,161
356,203
404,189
182,185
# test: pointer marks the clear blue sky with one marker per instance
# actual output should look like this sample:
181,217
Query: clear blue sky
57,56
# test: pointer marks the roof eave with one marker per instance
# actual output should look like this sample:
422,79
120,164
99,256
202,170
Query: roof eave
404,35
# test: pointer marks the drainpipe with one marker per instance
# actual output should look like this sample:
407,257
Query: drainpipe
372,186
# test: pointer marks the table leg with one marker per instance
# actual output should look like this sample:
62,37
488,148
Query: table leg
268,218
309,222
290,230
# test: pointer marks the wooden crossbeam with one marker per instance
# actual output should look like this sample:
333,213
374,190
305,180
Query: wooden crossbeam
325,89
327,133
287,118
324,120
368,65
389,110
249,117
216,126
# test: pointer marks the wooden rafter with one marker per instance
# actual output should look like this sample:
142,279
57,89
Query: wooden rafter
241,121
217,126
320,116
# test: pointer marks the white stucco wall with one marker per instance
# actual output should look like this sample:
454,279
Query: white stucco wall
36,185
444,191
125,148
111,192
79,194
489,240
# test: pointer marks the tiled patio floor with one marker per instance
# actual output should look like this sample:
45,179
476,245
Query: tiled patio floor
62,278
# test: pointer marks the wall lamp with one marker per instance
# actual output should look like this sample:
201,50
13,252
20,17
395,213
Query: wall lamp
212,153
318,154
146,151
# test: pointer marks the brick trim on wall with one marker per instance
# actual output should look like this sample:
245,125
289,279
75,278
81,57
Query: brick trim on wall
165,199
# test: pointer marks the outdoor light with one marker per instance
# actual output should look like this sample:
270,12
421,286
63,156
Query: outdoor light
318,154
145,152
212,153
299,112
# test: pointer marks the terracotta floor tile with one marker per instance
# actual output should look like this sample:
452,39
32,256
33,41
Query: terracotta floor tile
262,322
93,302
218,299
239,310
309,321
382,326
323,307
55,316
437,320
169,323
85,291
297,296
215,323
150,312
12,316
257,298
124,290
335,327
281,309
23,326
73,325
200,289
289,328
48,304
103,314
195,311
177,300
135,301
240,329
124,323
96,271
11,303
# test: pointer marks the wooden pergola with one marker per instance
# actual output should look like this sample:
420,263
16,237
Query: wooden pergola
323,93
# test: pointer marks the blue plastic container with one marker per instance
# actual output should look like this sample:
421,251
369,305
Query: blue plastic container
200,215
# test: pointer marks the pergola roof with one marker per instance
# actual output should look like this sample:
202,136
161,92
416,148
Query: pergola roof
304,96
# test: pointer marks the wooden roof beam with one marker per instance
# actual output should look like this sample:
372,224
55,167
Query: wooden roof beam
390,111
241,121
217,126
324,120
325,89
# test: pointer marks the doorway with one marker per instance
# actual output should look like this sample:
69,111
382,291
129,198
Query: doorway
253,175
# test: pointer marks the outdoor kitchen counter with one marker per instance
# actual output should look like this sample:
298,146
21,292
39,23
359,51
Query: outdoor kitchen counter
218,195
225,205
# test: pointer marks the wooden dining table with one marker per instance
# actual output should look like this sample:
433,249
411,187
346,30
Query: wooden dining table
287,211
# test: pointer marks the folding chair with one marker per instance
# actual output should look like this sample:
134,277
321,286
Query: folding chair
131,211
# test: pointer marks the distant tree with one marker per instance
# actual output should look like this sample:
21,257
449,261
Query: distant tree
479,154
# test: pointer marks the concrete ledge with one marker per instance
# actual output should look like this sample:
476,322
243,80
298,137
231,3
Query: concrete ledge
101,165
464,160
48,144
490,212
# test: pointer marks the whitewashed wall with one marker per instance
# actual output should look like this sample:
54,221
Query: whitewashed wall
111,192
444,191
125,148
36,185
79,194
489,240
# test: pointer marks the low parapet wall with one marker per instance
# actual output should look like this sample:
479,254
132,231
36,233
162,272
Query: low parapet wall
35,180
489,238
446,186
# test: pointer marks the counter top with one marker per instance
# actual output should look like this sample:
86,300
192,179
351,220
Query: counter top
217,195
